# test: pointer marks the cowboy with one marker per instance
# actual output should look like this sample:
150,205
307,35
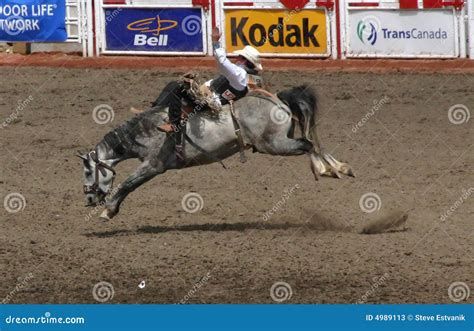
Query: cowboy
236,78
234,82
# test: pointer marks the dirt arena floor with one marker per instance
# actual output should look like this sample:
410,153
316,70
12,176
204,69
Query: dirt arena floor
405,152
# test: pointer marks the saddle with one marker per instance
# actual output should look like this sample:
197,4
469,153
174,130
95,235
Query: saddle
196,97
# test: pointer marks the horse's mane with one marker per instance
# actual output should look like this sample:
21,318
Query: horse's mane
124,137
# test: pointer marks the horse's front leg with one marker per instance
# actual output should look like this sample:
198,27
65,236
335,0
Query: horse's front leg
146,171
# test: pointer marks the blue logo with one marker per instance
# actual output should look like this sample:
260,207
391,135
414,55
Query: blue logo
366,31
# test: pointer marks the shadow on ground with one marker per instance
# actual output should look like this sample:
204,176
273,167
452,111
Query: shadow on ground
220,227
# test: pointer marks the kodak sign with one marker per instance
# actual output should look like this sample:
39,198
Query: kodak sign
277,31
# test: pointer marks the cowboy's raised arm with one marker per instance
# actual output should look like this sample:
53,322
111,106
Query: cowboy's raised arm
236,75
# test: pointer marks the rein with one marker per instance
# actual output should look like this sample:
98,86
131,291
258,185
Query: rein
99,166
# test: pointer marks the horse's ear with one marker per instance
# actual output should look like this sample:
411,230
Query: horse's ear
81,156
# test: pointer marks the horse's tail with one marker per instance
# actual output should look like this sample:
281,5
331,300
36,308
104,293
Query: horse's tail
303,103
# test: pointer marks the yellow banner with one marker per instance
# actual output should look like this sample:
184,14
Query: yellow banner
277,31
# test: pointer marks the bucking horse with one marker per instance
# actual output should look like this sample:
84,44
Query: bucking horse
266,124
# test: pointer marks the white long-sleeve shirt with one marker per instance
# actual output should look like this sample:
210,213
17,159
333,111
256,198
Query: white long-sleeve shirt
236,75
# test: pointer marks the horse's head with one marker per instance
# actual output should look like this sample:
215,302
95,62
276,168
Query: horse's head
98,178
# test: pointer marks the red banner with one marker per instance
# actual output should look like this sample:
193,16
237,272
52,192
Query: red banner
294,4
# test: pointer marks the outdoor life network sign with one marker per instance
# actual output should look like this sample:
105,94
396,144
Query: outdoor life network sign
154,29
33,20
407,33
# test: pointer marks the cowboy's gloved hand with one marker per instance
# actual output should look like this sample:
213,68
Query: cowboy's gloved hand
216,36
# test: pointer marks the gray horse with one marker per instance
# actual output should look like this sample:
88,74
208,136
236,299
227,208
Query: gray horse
267,126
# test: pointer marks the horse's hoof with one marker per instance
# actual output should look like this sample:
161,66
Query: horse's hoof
335,173
350,173
347,170
106,215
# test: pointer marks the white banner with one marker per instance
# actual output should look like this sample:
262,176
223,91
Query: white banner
407,33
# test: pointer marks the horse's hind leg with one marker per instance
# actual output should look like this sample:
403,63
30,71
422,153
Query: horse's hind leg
323,163
339,166
144,173
326,165
319,167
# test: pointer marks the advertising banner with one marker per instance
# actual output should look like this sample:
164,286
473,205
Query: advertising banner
303,32
154,29
33,21
405,33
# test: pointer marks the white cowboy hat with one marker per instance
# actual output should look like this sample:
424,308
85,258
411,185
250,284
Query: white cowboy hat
252,55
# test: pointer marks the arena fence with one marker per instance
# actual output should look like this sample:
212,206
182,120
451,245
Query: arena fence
290,28
278,28
74,12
